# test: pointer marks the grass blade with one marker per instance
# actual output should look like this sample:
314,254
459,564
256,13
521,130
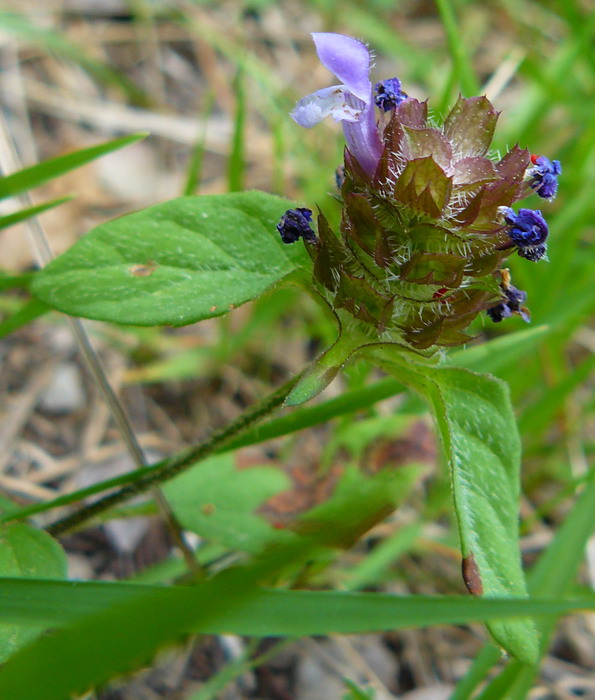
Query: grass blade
36,175
272,612
196,158
456,46
23,214
145,618
53,42
237,165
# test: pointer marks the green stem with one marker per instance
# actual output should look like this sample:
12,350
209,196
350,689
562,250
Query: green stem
176,464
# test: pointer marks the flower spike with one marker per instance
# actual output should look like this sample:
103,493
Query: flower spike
427,220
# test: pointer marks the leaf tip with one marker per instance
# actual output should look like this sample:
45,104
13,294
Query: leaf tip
517,637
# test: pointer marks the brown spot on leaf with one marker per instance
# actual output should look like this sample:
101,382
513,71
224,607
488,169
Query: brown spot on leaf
309,487
143,270
208,508
213,309
417,444
471,575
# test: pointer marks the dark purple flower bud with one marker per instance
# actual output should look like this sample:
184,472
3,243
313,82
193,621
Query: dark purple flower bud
543,177
515,297
295,224
533,253
499,312
512,304
528,228
388,94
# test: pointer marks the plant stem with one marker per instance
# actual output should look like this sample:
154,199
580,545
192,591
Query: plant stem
177,464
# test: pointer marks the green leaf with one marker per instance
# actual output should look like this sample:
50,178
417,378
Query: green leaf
552,576
470,126
482,448
359,502
26,551
175,263
36,175
28,312
7,506
218,501
479,432
424,186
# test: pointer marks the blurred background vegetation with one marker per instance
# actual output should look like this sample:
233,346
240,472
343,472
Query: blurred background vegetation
213,83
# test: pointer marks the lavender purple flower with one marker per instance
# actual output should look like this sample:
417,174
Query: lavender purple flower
427,219
350,103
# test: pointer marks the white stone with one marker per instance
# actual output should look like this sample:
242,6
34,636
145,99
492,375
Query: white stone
65,393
